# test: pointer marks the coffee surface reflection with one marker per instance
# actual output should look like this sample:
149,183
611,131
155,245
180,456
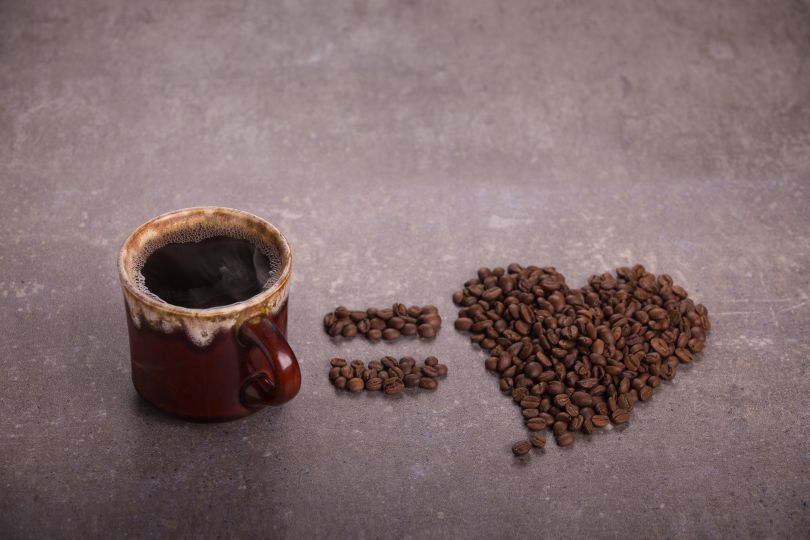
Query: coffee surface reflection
212,272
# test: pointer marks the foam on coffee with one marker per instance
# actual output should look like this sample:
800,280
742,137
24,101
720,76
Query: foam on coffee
195,234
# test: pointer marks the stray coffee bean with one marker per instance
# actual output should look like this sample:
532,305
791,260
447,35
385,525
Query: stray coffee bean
576,360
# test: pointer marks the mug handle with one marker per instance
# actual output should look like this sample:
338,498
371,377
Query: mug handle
258,389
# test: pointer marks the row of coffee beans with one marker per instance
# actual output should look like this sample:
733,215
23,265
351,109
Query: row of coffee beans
388,374
576,360
388,323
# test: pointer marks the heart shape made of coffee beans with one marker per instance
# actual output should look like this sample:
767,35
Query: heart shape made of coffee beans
578,359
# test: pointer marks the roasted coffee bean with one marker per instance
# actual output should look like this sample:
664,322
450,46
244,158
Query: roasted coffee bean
530,402
559,427
412,380
388,362
430,371
374,334
431,319
565,439
521,448
645,393
426,331
334,373
374,384
519,393
583,399
396,323
390,334
338,362
536,423
620,416
395,387
660,346
428,383
396,371
556,387
356,385
561,400
538,441
340,383
532,370
442,370
463,324
407,361
600,420
377,324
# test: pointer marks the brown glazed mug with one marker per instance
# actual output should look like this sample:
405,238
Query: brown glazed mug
211,364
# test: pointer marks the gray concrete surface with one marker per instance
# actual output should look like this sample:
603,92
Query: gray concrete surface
400,145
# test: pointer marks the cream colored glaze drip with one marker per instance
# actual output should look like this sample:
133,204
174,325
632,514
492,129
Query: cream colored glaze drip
200,328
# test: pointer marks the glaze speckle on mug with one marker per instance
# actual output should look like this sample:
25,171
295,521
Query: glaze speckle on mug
193,225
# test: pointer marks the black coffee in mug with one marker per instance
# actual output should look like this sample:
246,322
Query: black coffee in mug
210,272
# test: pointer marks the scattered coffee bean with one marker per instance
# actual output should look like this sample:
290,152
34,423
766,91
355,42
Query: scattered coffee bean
388,324
565,439
374,334
393,386
600,420
578,359
356,385
537,423
521,448
538,441
390,334
428,383
426,331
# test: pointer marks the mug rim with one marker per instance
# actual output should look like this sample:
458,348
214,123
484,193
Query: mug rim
217,312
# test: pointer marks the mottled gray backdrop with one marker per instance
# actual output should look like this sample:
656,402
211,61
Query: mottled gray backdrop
400,145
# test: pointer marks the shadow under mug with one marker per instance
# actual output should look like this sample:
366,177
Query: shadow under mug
212,364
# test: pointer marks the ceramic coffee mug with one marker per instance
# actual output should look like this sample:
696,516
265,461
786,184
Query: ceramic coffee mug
212,364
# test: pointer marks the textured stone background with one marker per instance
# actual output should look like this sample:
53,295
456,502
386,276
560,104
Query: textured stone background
400,145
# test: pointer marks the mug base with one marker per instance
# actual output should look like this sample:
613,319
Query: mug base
193,418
